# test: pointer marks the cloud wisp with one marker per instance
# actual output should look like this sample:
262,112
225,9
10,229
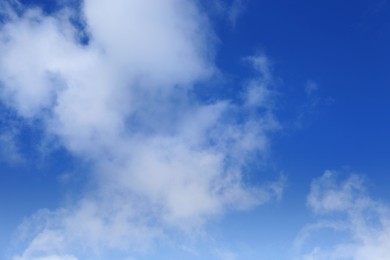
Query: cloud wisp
351,224
162,160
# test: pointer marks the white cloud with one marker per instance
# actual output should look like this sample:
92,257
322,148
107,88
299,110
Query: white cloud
162,160
352,224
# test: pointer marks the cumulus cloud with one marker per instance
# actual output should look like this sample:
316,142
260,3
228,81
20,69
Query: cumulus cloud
115,89
351,225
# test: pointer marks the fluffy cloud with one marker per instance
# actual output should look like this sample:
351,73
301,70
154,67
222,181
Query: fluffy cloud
352,224
115,89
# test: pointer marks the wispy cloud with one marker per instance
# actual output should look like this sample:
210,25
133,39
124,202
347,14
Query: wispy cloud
9,150
231,11
313,102
351,224
162,159
10,132
236,9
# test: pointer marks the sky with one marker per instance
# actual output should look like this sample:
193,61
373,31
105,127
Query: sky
194,129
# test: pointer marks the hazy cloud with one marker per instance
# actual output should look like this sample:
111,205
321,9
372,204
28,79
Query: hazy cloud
351,224
229,10
236,9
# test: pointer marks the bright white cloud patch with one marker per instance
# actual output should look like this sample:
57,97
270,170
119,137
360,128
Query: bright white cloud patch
352,224
162,160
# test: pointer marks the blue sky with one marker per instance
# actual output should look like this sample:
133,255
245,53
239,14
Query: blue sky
184,129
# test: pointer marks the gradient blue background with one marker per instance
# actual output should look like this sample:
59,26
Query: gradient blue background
342,46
